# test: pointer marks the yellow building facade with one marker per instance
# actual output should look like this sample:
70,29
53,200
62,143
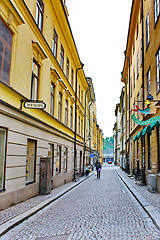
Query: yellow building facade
141,78
40,68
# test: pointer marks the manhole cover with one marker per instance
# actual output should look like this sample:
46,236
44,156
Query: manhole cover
56,237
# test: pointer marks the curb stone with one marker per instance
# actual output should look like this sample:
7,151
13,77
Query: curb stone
147,206
4,228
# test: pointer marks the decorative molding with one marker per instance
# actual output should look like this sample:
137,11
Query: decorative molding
38,52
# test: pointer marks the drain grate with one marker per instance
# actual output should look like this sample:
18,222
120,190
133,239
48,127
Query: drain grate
55,237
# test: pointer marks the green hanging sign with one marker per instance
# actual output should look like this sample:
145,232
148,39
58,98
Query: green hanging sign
157,118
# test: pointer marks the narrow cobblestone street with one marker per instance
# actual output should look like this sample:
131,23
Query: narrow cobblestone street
96,209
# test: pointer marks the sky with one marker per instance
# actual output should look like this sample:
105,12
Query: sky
100,30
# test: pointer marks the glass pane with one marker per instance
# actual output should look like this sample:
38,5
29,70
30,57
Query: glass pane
2,155
31,159
34,95
5,34
35,69
6,66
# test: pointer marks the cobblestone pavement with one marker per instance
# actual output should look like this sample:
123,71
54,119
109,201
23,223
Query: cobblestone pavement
19,208
153,198
96,209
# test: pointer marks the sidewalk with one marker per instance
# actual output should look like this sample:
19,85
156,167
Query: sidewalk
16,214
149,201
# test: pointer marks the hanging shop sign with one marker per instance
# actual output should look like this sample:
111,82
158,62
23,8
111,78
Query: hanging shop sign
157,118
35,104
32,104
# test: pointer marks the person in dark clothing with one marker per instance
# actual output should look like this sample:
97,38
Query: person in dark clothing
98,168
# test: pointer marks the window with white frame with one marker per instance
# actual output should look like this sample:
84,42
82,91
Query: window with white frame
66,112
158,69
35,80
62,57
65,159
55,43
156,10
147,30
3,143
148,83
67,69
71,117
52,98
31,161
58,160
39,14
72,77
60,107
138,64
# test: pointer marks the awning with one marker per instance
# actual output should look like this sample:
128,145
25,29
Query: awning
137,136
154,124
147,129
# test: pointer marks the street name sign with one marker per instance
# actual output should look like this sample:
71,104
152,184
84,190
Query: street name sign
34,104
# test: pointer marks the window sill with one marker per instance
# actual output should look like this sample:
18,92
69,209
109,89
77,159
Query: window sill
2,190
28,183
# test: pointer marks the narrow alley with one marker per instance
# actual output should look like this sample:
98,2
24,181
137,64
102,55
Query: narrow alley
95,209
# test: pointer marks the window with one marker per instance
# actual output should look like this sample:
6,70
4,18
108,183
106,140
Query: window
72,76
79,91
141,51
3,143
137,150
71,117
81,127
31,161
134,77
158,69
131,88
149,151
34,81
147,30
62,57
55,43
148,83
52,99
137,31
82,96
5,52
39,14
60,106
137,64
58,160
65,159
51,155
156,10
67,69
66,113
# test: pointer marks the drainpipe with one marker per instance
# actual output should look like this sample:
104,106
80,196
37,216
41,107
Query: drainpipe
85,129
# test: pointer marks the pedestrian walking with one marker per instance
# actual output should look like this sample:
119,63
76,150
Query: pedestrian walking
87,169
98,168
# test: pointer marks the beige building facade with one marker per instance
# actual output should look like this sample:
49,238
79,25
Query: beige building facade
141,78
42,89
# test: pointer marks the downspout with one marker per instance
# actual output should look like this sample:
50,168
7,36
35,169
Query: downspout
84,151
143,90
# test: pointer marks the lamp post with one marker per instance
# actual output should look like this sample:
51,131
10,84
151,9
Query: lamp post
75,121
